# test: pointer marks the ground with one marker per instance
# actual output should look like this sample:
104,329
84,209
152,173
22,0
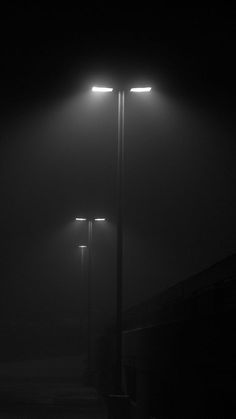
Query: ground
48,388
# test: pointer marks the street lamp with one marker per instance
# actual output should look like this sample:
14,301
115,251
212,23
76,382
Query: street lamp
82,248
102,89
140,89
120,204
89,247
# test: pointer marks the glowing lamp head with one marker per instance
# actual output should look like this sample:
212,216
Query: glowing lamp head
99,219
101,89
80,219
141,89
82,246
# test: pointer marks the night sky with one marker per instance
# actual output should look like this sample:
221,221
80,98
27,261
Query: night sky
58,148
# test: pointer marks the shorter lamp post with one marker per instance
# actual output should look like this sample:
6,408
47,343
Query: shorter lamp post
89,247
82,247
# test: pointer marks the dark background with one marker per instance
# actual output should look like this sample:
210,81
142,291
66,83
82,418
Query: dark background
58,153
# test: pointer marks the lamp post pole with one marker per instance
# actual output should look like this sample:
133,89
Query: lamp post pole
84,274
119,245
120,208
89,277
90,235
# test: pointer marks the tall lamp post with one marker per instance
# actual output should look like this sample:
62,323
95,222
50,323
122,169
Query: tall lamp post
89,247
120,204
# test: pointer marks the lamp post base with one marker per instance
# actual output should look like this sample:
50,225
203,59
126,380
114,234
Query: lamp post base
118,406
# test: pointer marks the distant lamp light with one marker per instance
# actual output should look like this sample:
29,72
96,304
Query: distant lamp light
80,219
99,219
140,89
101,89
82,246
